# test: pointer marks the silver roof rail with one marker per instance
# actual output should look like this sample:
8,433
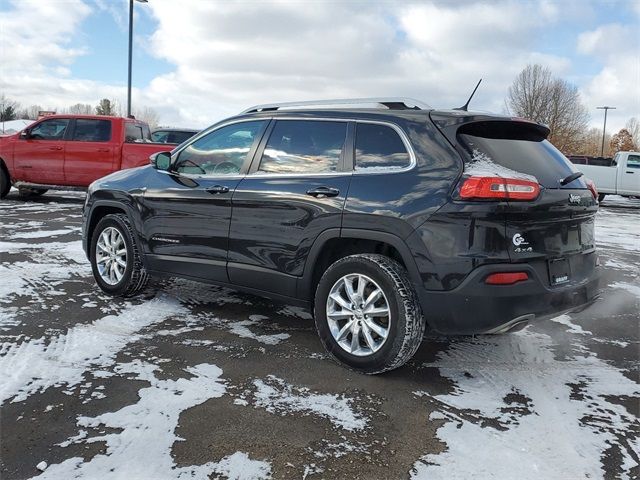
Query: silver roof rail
391,103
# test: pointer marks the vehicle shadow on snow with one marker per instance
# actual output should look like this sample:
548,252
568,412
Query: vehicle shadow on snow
62,197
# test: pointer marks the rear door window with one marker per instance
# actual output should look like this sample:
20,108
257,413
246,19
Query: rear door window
510,149
304,146
89,130
379,147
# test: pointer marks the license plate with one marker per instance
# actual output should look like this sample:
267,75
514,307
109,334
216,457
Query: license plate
559,271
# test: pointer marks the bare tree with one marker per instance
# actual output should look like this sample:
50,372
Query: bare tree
633,127
80,109
535,94
149,115
590,143
30,112
622,142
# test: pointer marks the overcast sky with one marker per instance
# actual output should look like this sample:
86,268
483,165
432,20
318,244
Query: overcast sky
198,61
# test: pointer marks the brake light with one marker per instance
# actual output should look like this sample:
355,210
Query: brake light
506,278
499,188
592,187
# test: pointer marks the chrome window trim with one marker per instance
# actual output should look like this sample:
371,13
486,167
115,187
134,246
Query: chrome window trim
378,171
259,174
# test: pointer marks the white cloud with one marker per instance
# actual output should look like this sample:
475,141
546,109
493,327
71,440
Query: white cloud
36,35
230,55
617,48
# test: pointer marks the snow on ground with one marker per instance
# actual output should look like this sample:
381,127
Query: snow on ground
536,416
35,365
141,448
242,330
276,396
618,230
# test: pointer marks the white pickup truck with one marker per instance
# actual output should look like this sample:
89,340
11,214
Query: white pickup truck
621,178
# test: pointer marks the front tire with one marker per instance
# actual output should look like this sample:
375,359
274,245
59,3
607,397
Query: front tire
115,257
31,192
5,182
367,313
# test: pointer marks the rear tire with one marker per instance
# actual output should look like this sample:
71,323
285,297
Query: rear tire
115,257
383,342
601,197
31,192
5,182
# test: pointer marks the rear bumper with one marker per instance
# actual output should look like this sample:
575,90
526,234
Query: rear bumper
476,308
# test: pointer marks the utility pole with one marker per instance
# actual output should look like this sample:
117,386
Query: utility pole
604,129
130,53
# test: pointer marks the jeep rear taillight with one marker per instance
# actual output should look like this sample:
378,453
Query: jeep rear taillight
499,188
592,187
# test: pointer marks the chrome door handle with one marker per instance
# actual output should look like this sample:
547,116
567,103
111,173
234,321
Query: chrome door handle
217,189
321,192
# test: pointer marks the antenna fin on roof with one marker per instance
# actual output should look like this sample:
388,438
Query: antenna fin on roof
466,105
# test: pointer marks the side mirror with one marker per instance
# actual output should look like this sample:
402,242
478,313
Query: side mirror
25,134
161,161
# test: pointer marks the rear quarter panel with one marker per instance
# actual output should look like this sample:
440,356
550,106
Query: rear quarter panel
399,202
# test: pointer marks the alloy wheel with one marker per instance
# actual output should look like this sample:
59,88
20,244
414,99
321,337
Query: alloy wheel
358,314
111,255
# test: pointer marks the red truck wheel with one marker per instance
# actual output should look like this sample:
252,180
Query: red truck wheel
5,183
31,192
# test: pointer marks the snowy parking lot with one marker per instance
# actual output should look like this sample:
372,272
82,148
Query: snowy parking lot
196,381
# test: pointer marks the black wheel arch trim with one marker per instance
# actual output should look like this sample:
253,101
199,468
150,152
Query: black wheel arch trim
127,209
305,282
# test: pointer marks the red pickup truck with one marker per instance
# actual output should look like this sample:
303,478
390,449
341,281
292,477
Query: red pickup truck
62,151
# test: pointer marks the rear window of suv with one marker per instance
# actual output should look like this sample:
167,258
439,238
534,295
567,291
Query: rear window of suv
379,147
510,148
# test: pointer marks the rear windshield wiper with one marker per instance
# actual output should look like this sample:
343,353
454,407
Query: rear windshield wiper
571,178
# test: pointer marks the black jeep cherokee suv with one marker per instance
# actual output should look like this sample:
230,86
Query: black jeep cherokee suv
384,219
